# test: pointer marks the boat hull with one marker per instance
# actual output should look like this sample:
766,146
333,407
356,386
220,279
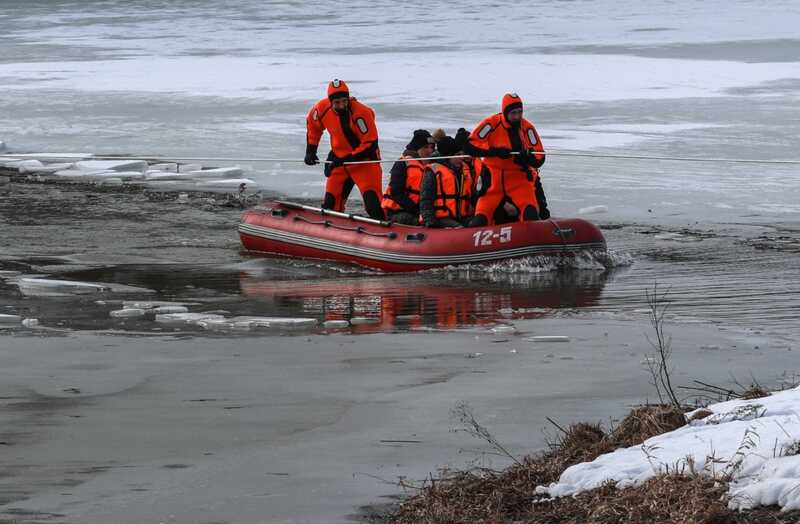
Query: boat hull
289,229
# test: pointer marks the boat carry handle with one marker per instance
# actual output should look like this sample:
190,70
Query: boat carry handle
357,229
415,237
564,232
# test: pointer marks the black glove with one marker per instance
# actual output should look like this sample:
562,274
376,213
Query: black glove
311,155
544,213
500,152
336,161
525,158
330,163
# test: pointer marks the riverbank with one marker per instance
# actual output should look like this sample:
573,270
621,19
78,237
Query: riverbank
722,476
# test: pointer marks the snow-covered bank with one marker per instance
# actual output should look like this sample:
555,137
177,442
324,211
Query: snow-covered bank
753,444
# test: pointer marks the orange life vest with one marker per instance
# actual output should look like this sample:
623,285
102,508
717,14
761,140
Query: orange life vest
414,172
453,191
361,133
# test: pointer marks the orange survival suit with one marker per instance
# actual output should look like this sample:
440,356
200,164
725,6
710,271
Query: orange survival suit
515,192
354,137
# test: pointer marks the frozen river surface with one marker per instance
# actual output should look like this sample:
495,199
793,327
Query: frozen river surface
122,419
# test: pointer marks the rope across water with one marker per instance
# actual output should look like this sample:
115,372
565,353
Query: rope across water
564,153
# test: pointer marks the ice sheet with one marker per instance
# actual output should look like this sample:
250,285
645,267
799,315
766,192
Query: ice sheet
218,173
30,286
112,165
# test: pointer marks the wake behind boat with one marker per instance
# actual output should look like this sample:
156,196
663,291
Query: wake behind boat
296,230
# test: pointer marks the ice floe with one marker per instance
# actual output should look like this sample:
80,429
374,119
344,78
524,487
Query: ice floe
151,304
592,210
357,321
169,167
166,310
220,172
127,313
10,319
335,324
159,177
187,318
216,321
752,442
112,165
45,287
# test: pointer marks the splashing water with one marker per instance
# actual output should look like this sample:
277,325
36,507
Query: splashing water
583,261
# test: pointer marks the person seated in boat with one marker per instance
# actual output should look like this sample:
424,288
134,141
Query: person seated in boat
512,152
447,194
401,200
354,138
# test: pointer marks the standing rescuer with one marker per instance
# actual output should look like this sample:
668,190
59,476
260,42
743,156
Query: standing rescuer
401,200
515,192
354,137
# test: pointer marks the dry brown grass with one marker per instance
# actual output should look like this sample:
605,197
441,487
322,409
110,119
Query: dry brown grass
487,496
753,392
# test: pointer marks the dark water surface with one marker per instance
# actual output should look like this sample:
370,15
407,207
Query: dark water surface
154,248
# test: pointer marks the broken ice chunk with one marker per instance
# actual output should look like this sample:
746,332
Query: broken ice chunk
335,324
357,321
503,329
220,172
45,287
154,176
593,210
276,322
46,169
25,165
112,165
30,322
188,168
187,318
150,304
170,167
165,310
127,313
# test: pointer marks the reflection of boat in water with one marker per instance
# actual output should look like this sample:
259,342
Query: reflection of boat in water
296,230
437,300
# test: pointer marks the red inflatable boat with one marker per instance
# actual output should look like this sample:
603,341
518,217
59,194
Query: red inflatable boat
285,228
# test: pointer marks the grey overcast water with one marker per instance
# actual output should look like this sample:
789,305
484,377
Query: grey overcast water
109,419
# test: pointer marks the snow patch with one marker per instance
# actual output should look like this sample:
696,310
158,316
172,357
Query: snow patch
745,440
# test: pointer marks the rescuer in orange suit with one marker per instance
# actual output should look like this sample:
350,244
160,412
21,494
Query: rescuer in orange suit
354,137
515,192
